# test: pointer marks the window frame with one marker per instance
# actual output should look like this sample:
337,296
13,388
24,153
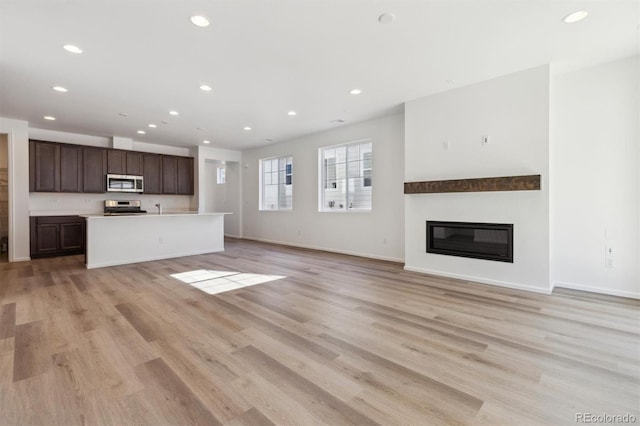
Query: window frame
287,174
322,178
221,178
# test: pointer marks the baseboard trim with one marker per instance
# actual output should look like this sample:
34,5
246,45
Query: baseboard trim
330,250
600,290
479,280
20,259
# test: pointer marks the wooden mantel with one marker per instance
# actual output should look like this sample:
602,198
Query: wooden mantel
504,183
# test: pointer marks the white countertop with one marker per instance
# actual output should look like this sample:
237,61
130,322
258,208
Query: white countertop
94,214
168,214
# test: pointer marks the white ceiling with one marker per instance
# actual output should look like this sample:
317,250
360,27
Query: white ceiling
264,58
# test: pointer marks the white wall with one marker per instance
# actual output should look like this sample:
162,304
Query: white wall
224,197
596,178
514,112
18,138
377,234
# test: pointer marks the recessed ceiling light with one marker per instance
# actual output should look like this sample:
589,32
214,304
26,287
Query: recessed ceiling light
268,140
247,128
292,113
575,17
173,113
164,122
205,88
355,91
199,21
153,126
49,117
142,132
386,18
123,114
72,48
206,141
60,89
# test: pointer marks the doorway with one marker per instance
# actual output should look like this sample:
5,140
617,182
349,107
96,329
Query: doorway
223,193
4,198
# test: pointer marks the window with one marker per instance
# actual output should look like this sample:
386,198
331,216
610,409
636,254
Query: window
346,177
276,183
221,175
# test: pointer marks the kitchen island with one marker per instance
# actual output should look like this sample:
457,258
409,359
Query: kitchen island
118,240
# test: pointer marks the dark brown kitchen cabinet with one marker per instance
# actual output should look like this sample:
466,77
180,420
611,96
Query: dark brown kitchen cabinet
56,167
117,162
134,163
121,162
56,235
44,166
70,168
152,173
185,175
169,174
94,169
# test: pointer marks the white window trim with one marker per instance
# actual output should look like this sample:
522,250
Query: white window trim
321,179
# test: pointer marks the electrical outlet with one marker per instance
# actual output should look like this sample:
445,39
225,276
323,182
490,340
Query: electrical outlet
610,262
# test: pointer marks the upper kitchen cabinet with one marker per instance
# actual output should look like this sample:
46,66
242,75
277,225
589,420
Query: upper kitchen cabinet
58,167
185,176
70,168
169,174
135,163
152,173
122,162
116,162
44,166
94,169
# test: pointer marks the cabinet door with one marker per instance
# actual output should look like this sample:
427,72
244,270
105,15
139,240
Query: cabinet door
72,236
152,172
185,176
70,168
169,174
45,166
116,162
94,169
134,163
47,238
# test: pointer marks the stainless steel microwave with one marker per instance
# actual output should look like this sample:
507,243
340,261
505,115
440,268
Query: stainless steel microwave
125,183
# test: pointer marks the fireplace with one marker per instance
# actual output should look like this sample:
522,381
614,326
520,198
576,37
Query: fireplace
490,241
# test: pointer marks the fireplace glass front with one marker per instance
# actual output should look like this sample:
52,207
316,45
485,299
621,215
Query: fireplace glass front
490,241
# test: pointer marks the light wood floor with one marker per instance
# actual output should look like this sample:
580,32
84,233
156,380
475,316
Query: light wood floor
340,340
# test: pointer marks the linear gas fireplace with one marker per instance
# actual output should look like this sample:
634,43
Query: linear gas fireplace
490,241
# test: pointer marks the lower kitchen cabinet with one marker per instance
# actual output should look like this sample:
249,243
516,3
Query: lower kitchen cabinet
57,235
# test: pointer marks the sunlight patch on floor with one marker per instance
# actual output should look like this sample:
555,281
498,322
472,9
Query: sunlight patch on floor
214,282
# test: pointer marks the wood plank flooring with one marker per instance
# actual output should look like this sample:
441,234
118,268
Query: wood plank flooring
339,340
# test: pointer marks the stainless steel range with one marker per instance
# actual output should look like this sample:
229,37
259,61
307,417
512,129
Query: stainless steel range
126,207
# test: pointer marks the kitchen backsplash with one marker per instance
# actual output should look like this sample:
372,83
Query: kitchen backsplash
94,203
